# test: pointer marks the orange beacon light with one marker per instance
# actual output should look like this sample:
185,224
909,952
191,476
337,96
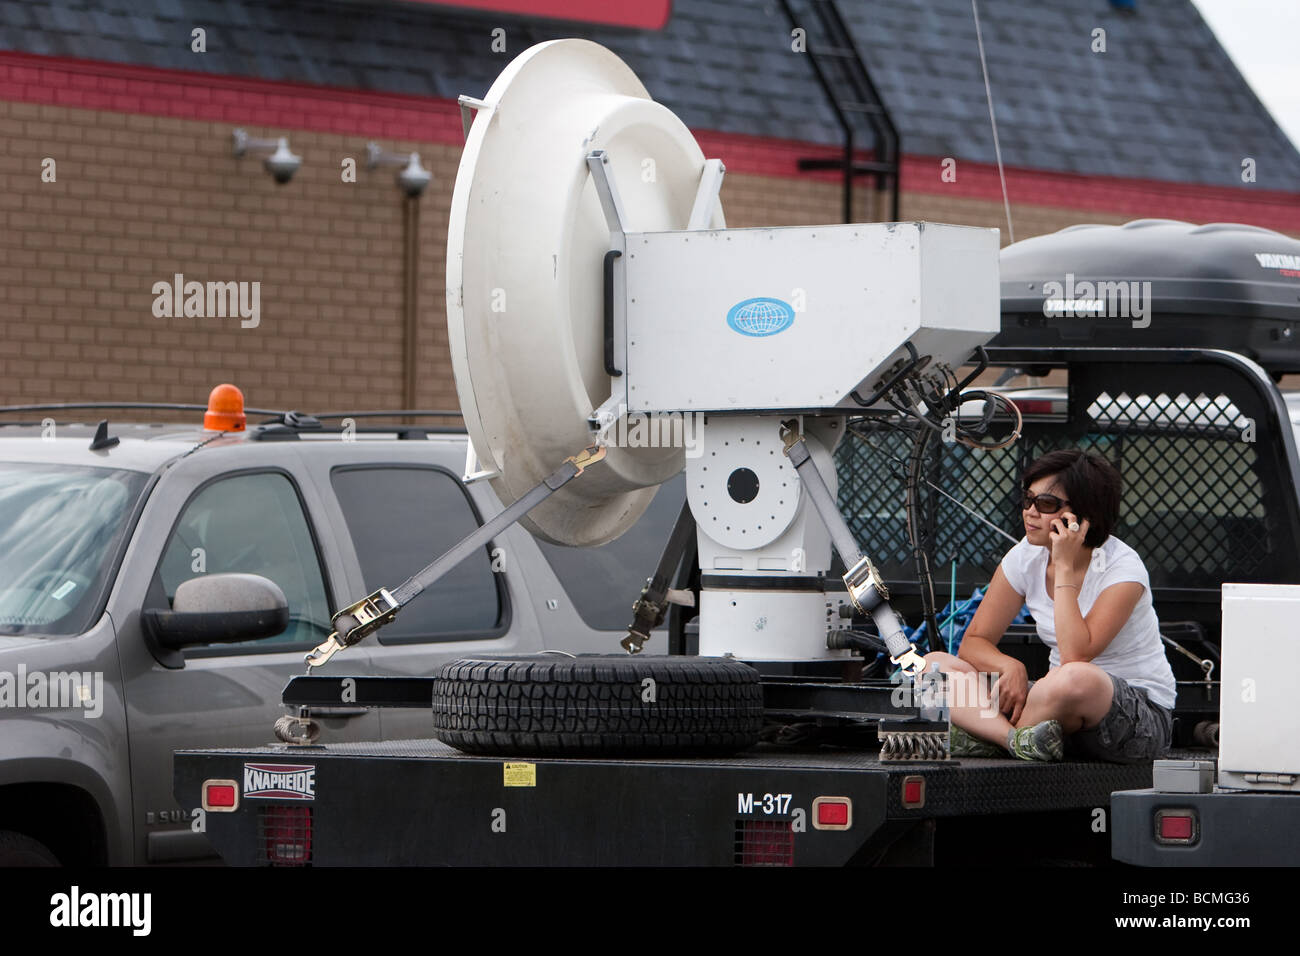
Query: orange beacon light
225,410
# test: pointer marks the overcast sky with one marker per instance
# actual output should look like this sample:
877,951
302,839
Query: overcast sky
1263,39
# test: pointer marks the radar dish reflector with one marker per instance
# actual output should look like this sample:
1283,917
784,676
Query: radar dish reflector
525,284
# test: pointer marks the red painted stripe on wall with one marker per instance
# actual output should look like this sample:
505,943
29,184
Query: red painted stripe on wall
218,98
97,85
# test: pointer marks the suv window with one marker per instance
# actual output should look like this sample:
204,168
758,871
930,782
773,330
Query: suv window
252,523
604,582
60,528
400,519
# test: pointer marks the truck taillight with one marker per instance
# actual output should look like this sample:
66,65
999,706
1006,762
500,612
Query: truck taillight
913,794
832,813
286,835
764,843
220,796
1177,827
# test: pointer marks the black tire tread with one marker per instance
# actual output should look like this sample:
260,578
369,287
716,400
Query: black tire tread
545,705
20,850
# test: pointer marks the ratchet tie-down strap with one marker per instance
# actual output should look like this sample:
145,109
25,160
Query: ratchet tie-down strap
372,612
866,588
652,606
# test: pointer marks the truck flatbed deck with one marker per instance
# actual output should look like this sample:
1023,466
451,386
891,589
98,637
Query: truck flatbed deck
443,807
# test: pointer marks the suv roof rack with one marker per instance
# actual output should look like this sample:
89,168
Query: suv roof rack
156,406
291,421
290,426
275,431
402,413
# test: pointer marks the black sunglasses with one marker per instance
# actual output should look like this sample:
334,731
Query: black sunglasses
1047,504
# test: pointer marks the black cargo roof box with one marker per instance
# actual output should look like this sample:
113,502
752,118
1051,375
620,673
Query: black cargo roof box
1221,285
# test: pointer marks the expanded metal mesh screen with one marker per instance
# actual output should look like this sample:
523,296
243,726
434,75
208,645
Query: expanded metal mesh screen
284,836
1194,492
764,843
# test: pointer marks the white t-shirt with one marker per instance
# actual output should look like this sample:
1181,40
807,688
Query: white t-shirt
1137,653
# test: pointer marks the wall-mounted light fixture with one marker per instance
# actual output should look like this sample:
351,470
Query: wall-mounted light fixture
280,162
412,178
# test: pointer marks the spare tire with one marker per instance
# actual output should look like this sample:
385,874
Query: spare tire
616,705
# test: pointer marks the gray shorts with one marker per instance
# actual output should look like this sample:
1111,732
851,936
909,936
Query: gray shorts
1134,730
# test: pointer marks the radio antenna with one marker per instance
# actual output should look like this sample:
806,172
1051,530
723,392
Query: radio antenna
988,94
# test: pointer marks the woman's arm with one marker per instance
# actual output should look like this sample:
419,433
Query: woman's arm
1078,639
997,610
1001,604
1081,639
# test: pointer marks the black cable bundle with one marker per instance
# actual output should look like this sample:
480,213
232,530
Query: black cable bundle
922,511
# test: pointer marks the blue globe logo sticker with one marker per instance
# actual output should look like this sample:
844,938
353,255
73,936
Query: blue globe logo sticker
761,317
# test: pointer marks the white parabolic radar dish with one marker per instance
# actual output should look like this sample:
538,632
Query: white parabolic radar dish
525,292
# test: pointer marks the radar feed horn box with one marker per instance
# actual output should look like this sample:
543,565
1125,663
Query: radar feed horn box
590,276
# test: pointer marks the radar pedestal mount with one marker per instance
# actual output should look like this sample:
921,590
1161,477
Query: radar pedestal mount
592,285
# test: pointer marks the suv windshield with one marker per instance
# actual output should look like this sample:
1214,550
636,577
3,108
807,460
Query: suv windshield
59,529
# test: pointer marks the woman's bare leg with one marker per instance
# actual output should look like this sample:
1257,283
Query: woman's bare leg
977,715
1078,694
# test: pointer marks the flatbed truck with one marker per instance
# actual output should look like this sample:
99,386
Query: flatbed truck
1187,405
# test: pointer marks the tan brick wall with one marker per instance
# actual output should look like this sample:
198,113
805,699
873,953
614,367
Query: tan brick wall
140,198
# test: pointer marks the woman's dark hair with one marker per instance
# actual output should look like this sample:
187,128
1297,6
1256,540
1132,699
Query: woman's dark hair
1089,482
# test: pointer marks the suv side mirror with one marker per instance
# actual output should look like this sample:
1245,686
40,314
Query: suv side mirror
218,609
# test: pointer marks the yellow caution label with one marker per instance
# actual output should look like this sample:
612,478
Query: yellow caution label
521,774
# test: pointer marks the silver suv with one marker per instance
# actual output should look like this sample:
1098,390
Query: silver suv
102,677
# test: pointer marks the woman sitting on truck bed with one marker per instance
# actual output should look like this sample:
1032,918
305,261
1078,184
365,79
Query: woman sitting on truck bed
1109,692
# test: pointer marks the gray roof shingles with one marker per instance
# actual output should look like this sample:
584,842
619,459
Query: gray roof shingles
1164,102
